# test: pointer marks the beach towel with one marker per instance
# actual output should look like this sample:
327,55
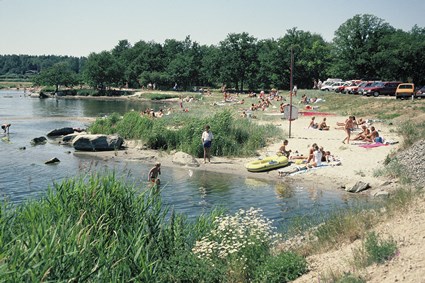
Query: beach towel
312,113
372,145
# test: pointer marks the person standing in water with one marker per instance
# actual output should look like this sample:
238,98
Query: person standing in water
207,137
154,172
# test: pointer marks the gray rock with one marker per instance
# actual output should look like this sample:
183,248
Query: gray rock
61,132
52,161
39,140
68,138
97,142
382,194
185,159
358,187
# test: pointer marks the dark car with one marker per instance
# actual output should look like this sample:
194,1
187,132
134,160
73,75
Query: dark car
384,88
420,93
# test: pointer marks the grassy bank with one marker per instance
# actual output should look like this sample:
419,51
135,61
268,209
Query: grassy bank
232,136
100,229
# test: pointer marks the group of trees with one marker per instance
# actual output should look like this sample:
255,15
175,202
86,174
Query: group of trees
364,47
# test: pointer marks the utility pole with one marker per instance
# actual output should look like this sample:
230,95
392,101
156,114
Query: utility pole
290,90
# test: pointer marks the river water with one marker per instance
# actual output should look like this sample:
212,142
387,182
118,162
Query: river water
24,176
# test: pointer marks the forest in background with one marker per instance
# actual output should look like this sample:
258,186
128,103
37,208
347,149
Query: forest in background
364,47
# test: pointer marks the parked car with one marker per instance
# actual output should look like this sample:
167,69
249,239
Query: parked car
363,89
332,87
420,93
405,90
384,88
347,86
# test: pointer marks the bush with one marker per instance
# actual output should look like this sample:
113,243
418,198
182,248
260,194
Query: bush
379,250
283,267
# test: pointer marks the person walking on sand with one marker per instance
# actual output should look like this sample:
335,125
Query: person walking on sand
207,137
348,127
154,172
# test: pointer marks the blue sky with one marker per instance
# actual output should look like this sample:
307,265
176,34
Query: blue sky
79,27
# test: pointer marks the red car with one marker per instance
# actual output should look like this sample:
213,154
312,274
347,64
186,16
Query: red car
382,88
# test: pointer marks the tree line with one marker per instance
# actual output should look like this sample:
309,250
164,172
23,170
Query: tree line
364,47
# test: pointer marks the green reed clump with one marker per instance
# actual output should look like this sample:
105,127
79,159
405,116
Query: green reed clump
379,250
101,229
411,132
283,267
394,169
232,136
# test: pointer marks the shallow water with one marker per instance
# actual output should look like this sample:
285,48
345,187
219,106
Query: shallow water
25,176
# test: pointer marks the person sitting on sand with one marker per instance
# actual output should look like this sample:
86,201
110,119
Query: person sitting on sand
313,124
323,126
6,127
311,151
317,157
283,150
373,136
363,134
154,172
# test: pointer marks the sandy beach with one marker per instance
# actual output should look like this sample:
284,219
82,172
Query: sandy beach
357,163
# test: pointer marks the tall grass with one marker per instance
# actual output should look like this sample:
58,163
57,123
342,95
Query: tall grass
232,136
101,229
411,132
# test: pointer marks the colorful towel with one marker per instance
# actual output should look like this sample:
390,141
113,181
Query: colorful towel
312,113
372,145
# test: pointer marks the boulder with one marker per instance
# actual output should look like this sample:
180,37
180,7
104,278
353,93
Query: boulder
185,159
52,161
381,194
97,142
358,187
61,132
69,138
39,140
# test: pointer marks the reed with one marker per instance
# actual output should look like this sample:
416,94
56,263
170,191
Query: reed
232,136
98,228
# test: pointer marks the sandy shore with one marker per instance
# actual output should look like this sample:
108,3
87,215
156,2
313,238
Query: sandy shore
357,163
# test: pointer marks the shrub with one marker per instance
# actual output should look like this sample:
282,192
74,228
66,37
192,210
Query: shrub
242,245
379,250
283,267
232,137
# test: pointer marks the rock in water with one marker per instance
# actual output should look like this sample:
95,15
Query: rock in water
52,161
61,132
39,140
97,142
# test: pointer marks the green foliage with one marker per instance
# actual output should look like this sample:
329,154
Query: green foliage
411,132
394,169
59,74
284,267
232,137
159,96
101,229
350,278
379,250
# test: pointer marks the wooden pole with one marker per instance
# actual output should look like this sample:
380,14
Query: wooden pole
290,91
